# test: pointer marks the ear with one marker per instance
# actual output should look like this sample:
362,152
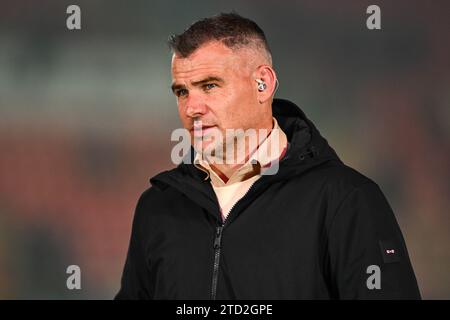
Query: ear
268,75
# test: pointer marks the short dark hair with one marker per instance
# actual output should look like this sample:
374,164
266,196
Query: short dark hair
233,30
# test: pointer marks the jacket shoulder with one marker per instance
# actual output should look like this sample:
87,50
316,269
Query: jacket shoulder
154,196
335,183
340,176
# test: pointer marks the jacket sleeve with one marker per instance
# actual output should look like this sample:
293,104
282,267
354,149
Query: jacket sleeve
368,258
136,273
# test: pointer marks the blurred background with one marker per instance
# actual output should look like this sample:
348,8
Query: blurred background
86,117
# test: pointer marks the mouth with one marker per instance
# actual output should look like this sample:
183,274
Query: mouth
201,131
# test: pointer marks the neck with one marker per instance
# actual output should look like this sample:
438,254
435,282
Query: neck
225,171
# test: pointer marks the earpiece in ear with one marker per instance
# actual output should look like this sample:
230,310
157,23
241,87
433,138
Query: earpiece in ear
261,85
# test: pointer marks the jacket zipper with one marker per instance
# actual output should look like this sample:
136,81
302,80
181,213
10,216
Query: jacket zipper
218,246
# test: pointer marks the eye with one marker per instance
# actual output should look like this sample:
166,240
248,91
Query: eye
181,92
209,86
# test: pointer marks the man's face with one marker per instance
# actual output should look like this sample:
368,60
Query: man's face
214,85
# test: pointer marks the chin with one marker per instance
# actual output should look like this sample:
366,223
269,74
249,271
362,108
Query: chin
207,149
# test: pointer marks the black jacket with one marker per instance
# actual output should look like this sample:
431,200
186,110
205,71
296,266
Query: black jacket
315,230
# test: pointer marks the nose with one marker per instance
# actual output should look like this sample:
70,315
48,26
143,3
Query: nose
195,105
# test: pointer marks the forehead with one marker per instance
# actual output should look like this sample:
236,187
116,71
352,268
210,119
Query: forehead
212,57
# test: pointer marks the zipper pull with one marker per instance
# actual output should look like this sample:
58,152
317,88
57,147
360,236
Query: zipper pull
218,238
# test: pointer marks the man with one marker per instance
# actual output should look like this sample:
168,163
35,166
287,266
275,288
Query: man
312,228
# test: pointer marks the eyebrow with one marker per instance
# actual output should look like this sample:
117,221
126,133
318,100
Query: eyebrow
197,83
